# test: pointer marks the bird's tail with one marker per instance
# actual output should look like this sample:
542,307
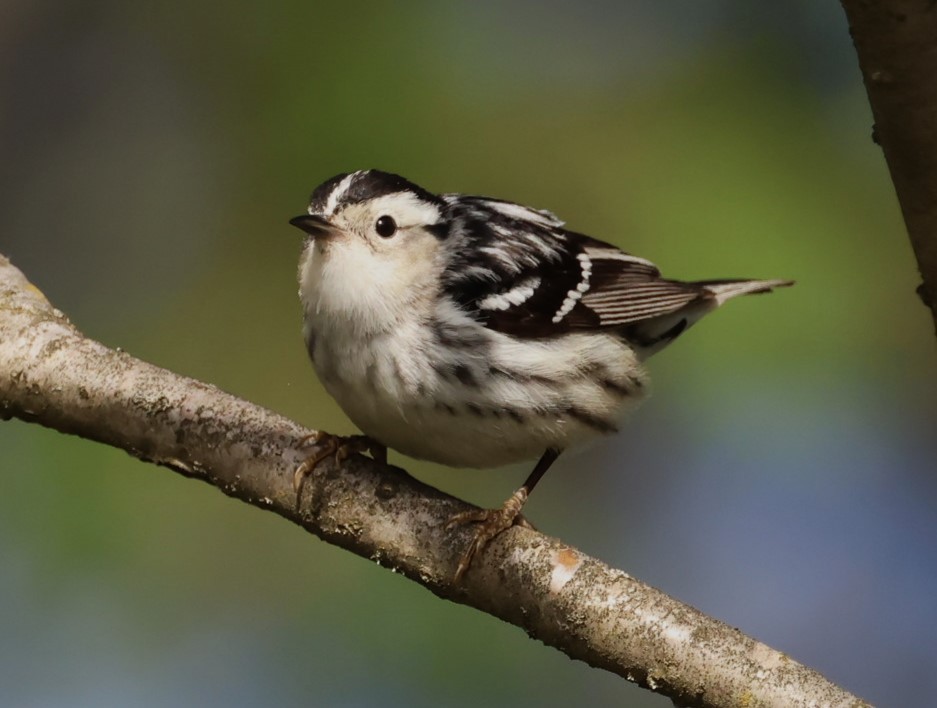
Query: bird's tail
651,335
722,290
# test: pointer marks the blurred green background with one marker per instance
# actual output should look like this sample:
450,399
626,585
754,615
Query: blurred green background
781,478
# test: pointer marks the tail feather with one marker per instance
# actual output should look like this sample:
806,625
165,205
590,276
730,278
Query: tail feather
723,290
652,335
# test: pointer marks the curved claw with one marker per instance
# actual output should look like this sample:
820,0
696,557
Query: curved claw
491,522
341,447
305,468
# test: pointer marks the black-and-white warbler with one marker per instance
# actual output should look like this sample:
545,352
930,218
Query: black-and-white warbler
476,332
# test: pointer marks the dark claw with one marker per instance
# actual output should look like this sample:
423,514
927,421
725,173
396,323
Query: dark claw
341,447
491,522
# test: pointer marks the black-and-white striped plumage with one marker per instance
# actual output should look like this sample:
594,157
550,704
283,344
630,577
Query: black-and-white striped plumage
474,331
524,274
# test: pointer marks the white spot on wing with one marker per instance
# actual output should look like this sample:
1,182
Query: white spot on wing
515,296
573,296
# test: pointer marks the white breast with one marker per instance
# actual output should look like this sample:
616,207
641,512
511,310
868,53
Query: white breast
448,390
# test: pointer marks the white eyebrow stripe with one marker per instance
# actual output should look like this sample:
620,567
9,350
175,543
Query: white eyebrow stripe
406,208
338,193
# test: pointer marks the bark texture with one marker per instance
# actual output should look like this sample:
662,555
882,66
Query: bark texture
52,375
896,41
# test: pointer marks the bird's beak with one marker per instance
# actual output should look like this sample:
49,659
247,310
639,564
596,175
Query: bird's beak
313,225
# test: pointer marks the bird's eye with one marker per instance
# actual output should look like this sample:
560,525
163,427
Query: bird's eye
386,226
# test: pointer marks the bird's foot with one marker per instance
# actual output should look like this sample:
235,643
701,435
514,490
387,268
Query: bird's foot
491,522
328,445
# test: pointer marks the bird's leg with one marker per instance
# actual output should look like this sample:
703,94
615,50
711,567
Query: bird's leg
342,447
491,522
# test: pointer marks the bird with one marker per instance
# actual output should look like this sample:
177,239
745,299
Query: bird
477,332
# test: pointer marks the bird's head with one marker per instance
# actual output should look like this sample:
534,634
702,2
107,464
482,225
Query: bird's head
373,247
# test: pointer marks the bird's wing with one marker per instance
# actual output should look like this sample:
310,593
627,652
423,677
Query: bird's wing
520,272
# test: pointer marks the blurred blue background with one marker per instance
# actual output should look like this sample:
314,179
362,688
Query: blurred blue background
781,478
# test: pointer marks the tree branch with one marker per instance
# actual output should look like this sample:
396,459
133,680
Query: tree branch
896,41
52,375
